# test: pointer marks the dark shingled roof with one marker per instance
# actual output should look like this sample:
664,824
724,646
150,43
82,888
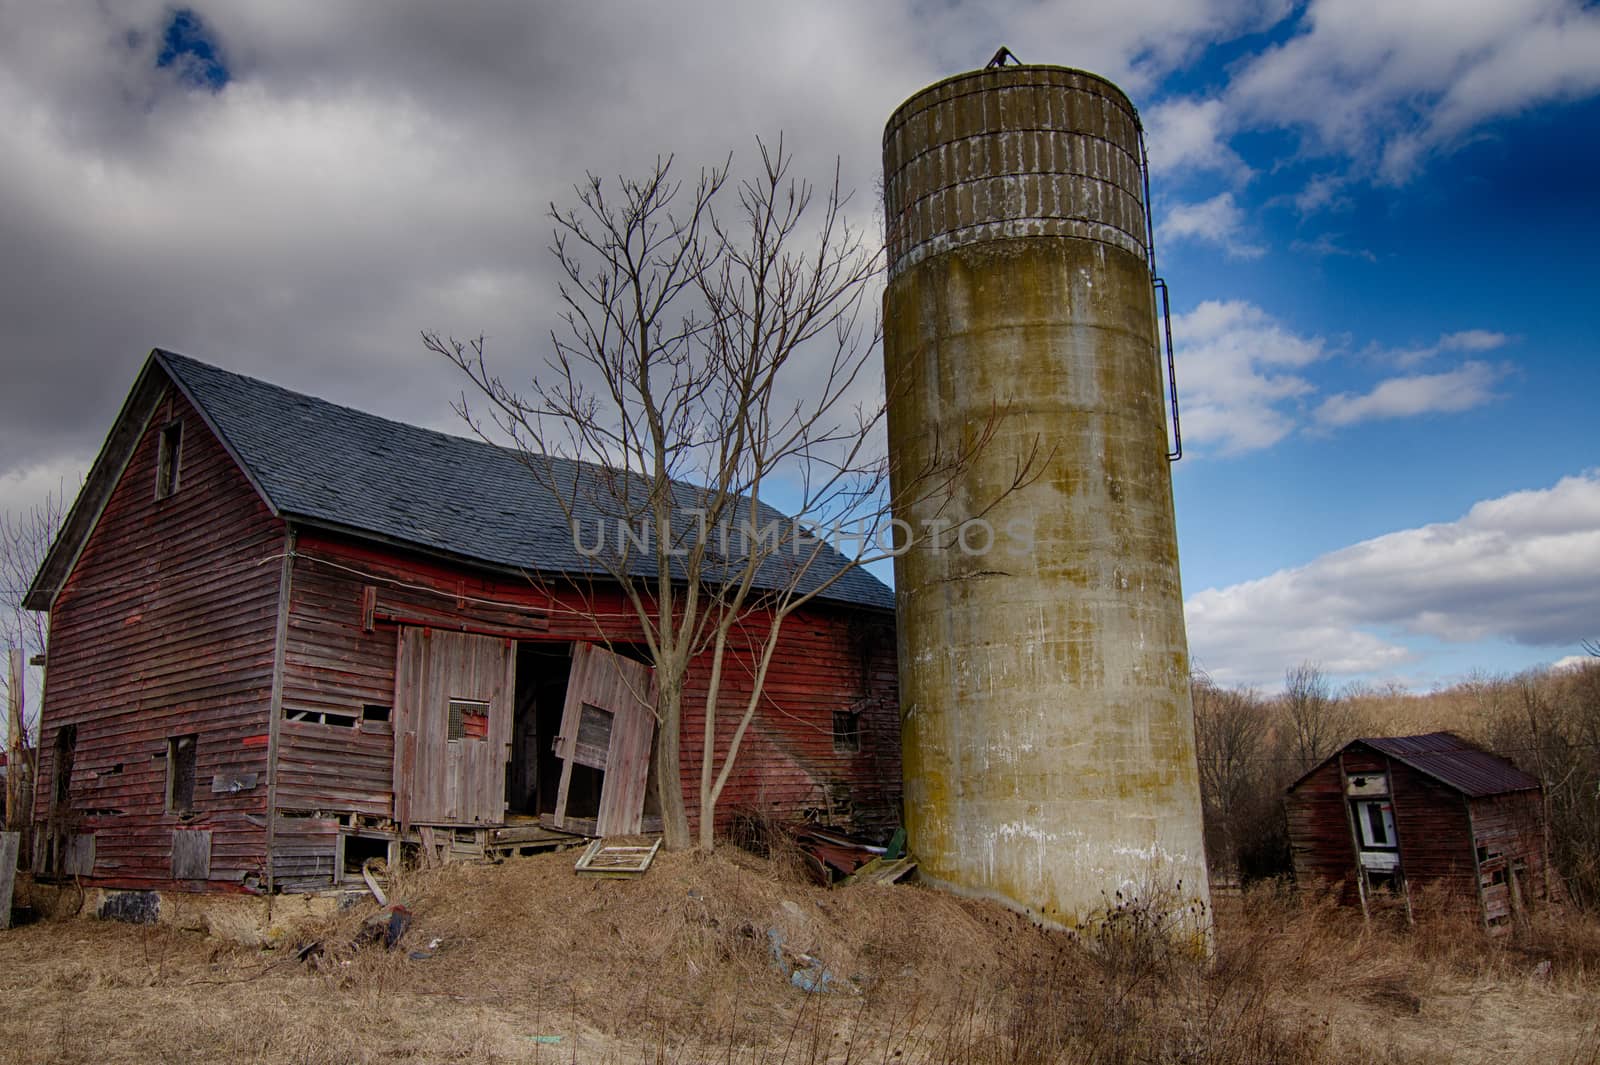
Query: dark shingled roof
1453,761
330,465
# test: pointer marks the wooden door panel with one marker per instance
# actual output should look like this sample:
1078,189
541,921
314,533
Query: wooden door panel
607,723
450,766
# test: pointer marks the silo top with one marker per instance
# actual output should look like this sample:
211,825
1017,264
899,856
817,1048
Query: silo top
1015,151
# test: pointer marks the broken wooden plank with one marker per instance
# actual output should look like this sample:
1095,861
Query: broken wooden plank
883,871
616,860
191,854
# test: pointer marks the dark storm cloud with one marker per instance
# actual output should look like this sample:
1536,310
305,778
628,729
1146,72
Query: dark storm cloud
294,189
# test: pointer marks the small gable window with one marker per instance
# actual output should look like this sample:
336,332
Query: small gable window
167,459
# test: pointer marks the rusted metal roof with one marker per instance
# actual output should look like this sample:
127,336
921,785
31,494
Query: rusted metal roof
1454,762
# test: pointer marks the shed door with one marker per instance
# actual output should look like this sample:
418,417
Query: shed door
607,725
452,705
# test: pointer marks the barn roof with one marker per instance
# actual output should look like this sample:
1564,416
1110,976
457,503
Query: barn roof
322,464
1447,758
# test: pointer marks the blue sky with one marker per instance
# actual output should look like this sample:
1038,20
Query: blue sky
1377,221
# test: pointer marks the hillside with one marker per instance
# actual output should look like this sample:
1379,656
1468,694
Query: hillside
530,963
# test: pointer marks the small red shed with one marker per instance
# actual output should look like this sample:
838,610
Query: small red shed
1388,813
286,636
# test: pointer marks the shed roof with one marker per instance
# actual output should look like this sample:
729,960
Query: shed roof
323,464
1447,758
1453,761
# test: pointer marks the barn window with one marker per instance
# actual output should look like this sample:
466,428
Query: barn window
180,773
66,750
320,717
846,731
167,459
376,718
1376,823
469,720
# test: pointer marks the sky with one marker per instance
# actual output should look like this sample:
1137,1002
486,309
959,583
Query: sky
1377,222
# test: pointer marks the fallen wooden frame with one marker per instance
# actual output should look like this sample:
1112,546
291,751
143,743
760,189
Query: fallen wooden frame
616,860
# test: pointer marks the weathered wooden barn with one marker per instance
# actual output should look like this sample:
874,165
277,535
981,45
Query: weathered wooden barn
1383,815
286,636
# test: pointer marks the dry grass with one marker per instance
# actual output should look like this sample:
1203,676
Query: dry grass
677,967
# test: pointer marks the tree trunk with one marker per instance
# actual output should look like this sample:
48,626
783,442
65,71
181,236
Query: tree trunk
669,781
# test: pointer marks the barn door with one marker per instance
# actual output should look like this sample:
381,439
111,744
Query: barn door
452,707
607,725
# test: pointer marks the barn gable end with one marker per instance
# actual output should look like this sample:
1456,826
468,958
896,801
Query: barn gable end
161,659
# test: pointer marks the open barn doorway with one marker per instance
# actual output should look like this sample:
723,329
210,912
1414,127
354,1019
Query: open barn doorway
533,773
582,739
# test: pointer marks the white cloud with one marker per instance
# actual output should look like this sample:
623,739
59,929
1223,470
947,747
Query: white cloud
1524,567
1328,244
1247,381
1238,374
1218,220
1393,83
1470,385
25,487
1324,192
1472,340
1187,135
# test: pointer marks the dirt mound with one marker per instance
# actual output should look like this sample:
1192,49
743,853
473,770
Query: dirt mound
705,943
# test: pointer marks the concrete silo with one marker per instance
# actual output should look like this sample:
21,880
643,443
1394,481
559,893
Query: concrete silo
1049,740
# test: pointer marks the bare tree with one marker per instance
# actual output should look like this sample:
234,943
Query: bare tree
711,359
25,538
1230,731
1318,722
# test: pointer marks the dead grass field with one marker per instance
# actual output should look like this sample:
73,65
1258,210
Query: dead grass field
678,967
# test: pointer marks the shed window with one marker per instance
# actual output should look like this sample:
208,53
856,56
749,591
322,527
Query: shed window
167,459
180,773
1376,823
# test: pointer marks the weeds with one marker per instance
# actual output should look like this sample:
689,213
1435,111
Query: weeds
536,965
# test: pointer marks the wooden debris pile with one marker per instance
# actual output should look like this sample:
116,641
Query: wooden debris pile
836,859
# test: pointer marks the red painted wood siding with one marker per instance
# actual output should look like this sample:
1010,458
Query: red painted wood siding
330,664
166,627
1508,831
829,659
1435,842
1319,832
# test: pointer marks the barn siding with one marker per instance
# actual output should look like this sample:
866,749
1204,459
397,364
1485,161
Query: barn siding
829,659
165,627
1506,830
1435,839
1319,832
331,664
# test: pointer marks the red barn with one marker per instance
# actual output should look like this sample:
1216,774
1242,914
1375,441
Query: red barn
286,635
1386,813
